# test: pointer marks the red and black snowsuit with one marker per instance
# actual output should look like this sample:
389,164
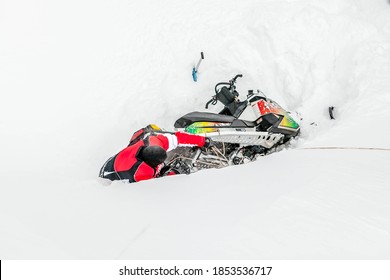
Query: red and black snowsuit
126,165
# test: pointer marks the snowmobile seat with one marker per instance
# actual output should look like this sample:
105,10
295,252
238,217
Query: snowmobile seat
192,117
243,123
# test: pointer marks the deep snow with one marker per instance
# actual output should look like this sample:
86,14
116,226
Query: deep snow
78,77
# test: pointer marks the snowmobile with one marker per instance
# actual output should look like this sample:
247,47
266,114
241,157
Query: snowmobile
241,132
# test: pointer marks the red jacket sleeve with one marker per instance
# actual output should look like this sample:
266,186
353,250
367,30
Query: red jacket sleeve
184,139
170,141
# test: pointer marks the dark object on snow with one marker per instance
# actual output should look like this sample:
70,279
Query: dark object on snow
331,113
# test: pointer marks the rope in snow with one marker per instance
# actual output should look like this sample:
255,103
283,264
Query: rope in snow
345,148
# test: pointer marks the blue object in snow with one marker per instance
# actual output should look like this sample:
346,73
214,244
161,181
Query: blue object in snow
194,74
195,69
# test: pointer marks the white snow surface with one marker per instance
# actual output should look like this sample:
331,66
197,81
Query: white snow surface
77,78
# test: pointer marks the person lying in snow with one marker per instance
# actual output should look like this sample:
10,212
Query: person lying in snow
143,158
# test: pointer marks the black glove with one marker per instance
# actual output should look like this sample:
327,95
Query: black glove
208,143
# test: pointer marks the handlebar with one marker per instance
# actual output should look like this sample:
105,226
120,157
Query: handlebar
212,101
231,85
233,82
220,84
237,76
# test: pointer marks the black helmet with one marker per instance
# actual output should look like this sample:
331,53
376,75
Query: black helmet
153,155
